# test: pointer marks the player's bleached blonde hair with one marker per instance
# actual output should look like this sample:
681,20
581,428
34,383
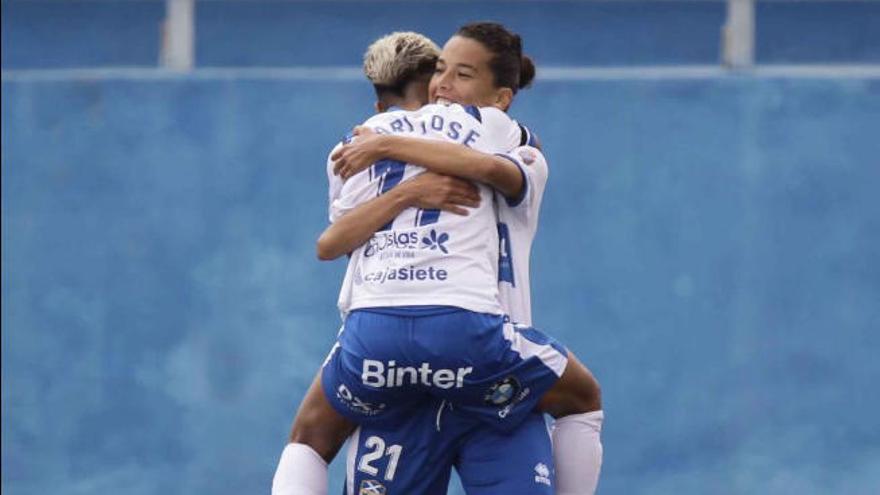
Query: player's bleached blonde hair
395,59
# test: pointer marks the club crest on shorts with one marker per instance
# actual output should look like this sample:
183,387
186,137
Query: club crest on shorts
542,474
371,487
502,392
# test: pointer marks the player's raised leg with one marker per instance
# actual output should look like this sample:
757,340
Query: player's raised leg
576,403
317,435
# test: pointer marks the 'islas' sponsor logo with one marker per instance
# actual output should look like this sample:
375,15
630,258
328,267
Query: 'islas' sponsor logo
406,241
391,240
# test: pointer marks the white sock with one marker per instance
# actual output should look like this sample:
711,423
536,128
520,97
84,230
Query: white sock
301,471
577,452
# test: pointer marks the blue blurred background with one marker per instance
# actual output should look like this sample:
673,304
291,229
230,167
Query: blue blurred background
709,244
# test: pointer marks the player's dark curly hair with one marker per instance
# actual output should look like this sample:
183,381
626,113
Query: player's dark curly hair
511,68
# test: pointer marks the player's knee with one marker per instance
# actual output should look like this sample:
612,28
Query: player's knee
324,435
589,395
323,441
576,392
584,390
583,398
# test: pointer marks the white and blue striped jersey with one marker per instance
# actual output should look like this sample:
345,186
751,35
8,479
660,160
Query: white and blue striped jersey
426,257
517,224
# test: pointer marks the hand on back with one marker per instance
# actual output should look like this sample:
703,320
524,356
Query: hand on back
435,191
357,155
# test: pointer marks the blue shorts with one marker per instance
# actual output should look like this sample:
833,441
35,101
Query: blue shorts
520,461
417,456
412,457
388,362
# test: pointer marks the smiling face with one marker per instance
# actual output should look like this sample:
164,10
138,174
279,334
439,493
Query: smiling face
463,75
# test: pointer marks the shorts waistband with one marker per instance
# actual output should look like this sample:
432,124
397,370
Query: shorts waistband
426,310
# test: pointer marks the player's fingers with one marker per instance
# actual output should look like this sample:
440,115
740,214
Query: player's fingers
352,168
358,162
349,171
457,210
473,193
466,192
470,186
339,163
465,201
339,152
458,182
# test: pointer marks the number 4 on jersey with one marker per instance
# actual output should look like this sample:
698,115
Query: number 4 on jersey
389,173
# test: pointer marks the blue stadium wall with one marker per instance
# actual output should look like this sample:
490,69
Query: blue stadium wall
78,33
710,247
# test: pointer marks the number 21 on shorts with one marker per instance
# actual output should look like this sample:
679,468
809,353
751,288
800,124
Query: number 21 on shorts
376,450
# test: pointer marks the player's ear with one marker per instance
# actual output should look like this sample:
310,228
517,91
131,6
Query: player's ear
379,106
503,99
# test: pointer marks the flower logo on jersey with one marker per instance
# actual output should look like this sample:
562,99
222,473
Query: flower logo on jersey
433,241
502,392
371,487
542,474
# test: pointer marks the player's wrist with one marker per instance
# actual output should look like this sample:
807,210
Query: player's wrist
389,146
384,144
405,195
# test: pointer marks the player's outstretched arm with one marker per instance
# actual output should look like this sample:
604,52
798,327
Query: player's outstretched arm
427,190
437,156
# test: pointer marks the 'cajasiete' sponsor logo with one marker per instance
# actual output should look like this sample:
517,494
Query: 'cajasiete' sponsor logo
405,274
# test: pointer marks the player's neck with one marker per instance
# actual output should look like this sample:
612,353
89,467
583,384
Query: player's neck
398,104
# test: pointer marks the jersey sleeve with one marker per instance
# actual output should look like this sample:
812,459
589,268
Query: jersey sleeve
334,189
528,138
533,166
501,133
348,194
354,192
